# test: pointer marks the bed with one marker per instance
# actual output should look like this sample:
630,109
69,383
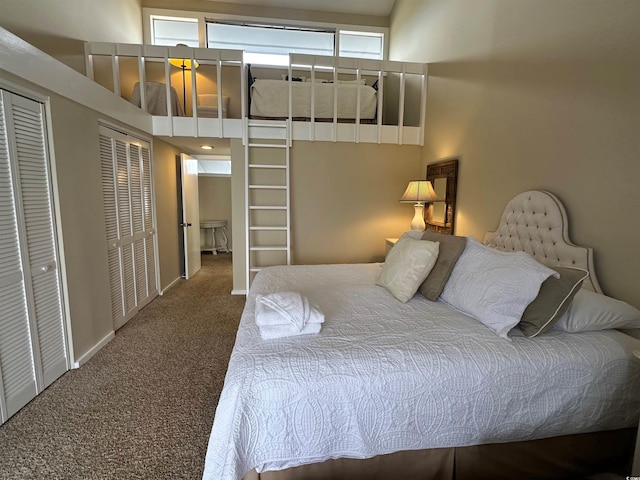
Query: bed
392,389
270,99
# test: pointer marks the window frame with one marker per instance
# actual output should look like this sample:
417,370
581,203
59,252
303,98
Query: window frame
202,17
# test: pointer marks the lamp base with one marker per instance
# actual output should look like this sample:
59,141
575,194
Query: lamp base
417,224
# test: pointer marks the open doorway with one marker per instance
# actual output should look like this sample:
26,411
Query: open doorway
215,203
213,198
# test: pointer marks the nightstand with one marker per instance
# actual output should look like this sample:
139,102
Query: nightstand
390,242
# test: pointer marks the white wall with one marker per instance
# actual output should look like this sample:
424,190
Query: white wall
536,94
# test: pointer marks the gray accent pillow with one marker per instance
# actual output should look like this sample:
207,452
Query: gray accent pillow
450,249
554,298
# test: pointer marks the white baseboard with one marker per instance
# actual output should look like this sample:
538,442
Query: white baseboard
162,290
93,350
238,292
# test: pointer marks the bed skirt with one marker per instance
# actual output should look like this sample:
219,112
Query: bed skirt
569,456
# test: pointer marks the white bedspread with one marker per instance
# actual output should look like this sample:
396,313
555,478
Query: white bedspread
270,98
384,376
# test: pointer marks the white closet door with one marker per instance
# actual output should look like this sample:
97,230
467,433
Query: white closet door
137,221
128,203
149,230
18,381
33,349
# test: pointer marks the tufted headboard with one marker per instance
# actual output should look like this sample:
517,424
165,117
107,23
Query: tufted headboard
536,222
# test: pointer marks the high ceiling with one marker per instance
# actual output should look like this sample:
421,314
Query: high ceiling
380,8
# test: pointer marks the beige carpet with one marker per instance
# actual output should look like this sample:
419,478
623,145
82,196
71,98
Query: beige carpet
143,406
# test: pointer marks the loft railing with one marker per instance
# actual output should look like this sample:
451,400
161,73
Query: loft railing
221,75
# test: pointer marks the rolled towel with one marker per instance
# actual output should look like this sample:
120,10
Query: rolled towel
286,308
269,332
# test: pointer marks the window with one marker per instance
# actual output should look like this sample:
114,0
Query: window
361,44
172,31
270,43
214,167
264,41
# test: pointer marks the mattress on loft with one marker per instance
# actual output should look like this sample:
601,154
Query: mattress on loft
270,98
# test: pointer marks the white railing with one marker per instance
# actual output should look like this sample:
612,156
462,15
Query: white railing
401,91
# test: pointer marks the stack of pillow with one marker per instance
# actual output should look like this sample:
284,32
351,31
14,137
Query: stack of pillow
500,289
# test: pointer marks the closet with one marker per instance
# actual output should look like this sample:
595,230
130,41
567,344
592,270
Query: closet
127,189
33,343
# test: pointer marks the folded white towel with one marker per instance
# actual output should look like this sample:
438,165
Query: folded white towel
268,332
283,314
286,308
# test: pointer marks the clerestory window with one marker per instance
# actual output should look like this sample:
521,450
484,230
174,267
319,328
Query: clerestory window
267,43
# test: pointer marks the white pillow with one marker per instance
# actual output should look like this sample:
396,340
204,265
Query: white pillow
592,311
407,265
362,81
493,286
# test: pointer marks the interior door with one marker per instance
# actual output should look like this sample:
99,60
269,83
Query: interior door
190,215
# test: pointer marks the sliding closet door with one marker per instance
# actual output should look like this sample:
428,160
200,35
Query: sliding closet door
33,350
128,204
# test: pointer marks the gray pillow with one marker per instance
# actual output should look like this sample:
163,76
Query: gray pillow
450,249
554,298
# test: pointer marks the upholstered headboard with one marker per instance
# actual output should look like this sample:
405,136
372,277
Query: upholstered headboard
536,222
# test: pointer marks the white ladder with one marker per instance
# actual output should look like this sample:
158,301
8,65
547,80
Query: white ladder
267,210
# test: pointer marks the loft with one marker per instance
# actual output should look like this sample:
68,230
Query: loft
384,100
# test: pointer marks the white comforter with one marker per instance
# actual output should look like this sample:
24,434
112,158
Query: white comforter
384,376
270,98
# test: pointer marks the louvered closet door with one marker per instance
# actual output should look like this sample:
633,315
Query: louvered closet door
128,203
33,350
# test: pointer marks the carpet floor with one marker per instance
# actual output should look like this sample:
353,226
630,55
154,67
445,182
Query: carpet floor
143,406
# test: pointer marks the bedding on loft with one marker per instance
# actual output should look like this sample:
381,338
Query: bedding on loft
392,373
270,100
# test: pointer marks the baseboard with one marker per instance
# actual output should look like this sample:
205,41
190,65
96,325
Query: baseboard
238,292
93,350
162,290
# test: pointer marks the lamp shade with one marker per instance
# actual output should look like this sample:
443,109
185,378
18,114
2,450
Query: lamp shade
184,63
419,191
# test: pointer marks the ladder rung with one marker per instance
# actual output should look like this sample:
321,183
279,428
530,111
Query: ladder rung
256,165
255,269
267,145
261,249
266,207
268,229
269,187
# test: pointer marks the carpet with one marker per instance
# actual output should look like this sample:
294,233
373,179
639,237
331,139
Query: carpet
143,406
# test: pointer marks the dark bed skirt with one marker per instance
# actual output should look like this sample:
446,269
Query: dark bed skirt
565,457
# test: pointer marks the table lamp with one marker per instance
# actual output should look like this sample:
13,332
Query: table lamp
420,192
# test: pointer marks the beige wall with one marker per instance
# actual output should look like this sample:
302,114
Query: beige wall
238,213
75,138
166,192
59,27
344,200
215,202
237,8
536,94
